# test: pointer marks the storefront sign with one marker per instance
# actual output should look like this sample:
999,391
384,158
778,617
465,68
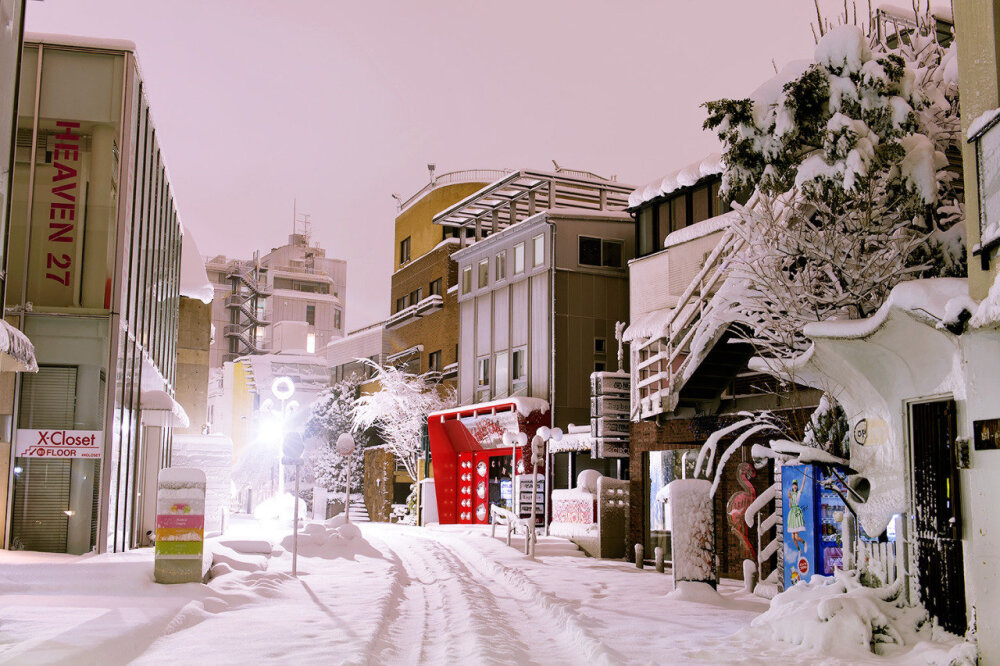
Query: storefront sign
58,443
60,221
609,406
611,447
987,434
610,383
180,525
488,429
861,432
608,427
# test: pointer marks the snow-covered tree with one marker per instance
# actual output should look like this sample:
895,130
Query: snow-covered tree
332,414
846,155
400,408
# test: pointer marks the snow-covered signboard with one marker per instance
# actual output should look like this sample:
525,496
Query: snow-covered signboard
488,429
988,153
64,444
180,525
609,414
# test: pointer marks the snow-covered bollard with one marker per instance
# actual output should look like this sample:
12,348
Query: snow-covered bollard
749,576
658,558
638,556
692,530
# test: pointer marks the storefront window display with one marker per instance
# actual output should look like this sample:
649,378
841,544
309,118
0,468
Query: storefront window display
662,467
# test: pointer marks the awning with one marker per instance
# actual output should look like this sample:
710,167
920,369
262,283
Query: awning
159,409
17,354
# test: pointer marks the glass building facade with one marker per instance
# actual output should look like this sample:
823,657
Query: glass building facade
93,277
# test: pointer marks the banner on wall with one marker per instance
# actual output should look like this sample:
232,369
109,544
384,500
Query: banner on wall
488,429
58,444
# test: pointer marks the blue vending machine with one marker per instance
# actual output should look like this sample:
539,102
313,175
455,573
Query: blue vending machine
812,515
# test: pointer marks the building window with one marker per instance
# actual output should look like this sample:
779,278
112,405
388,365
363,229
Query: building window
434,361
500,369
404,250
338,320
483,376
484,273
646,233
311,343
401,303
590,251
501,265
598,366
519,367
437,287
600,345
518,258
416,296
600,252
538,243
311,315
467,279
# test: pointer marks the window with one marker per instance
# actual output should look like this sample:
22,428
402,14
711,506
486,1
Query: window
404,250
646,231
338,320
311,343
483,376
538,243
598,366
416,296
402,302
437,287
611,253
484,273
434,361
519,366
467,279
501,265
501,370
518,258
590,251
600,345
311,315
600,252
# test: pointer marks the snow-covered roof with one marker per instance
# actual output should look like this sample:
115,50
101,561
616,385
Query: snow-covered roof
524,406
675,180
980,123
923,299
194,277
81,41
158,408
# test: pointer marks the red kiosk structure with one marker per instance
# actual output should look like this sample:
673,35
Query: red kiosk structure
473,468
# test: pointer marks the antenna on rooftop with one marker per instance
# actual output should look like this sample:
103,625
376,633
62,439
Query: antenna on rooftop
300,223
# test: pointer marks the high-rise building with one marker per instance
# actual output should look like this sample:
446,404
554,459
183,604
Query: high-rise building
93,277
296,282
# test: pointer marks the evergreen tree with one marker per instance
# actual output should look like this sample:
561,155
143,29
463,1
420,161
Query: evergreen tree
333,415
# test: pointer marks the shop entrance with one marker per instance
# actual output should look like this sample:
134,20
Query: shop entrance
485,478
937,519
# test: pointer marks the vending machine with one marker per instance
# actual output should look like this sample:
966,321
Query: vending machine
812,516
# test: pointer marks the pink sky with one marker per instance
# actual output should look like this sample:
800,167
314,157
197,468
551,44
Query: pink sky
341,104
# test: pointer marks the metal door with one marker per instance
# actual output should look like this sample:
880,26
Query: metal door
937,519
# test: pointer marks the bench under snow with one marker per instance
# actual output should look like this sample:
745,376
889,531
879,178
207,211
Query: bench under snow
515,525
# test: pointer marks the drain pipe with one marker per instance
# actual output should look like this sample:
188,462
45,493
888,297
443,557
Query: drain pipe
549,476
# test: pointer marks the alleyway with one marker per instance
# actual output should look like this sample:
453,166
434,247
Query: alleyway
397,595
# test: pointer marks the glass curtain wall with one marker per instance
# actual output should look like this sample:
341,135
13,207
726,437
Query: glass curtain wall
94,261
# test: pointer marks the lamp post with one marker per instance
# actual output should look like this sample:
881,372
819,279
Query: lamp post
345,447
283,388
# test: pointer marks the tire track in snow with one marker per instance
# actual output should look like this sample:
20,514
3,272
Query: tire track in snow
450,612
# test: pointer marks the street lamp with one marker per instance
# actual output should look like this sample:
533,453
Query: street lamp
345,447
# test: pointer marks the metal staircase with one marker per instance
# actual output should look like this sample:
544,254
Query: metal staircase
245,303
664,366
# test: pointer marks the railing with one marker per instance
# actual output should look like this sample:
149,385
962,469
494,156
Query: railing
452,177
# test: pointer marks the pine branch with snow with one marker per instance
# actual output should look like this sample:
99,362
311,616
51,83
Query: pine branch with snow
848,156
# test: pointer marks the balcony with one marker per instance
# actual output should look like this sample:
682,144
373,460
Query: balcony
425,307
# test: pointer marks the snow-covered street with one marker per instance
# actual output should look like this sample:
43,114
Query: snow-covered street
394,595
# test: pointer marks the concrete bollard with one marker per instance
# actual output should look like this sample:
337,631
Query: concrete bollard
658,558
638,556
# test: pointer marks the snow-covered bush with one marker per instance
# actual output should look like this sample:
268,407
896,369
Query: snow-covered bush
828,428
841,617
847,155
400,408
333,415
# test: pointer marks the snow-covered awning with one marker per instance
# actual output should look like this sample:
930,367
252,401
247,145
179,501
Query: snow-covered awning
159,409
17,354
194,277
